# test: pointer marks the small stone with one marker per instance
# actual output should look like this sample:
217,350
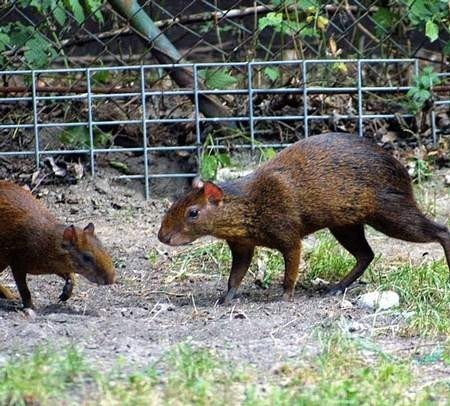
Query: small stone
355,327
447,180
319,282
379,300
102,186
345,304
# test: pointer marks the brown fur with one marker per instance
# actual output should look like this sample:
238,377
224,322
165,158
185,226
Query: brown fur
33,242
335,181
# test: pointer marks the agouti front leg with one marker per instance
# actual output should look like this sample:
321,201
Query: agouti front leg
291,257
241,258
68,287
21,281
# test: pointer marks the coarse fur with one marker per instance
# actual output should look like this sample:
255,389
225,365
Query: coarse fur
32,241
334,180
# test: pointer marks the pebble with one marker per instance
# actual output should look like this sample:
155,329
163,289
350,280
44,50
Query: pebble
379,300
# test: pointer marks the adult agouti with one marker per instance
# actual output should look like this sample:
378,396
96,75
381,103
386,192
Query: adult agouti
33,242
336,181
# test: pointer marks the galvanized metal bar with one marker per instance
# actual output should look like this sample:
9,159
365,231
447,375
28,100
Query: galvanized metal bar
360,100
197,119
90,125
144,134
305,99
35,119
250,104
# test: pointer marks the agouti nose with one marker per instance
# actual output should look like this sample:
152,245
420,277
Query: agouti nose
163,238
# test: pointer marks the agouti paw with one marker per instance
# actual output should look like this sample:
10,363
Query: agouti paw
288,297
30,314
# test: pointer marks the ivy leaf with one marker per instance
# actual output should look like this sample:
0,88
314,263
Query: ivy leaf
432,30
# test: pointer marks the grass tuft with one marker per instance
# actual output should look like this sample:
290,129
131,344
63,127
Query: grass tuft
42,376
424,291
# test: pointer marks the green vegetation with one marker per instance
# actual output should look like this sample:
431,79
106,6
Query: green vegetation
43,376
346,371
424,291
327,260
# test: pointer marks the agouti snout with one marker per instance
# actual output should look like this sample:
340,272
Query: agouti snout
335,181
33,242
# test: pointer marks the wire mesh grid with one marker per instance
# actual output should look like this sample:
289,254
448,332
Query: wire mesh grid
45,130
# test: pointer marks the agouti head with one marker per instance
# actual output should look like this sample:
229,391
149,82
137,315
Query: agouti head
87,256
191,216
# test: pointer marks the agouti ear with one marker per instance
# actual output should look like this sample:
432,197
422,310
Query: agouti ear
70,234
197,183
89,229
213,193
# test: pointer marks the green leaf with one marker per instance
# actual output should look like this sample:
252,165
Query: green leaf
77,10
38,52
384,20
218,78
4,41
272,19
101,76
446,49
308,4
224,159
272,73
94,7
209,167
75,137
268,153
60,15
432,30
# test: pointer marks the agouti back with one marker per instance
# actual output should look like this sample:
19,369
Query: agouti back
334,180
33,242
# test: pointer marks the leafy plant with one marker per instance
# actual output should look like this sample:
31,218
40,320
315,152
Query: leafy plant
38,50
217,78
78,137
420,93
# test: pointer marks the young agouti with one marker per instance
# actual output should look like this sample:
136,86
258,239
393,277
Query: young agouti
33,242
335,181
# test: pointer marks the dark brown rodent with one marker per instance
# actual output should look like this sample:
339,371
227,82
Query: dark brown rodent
33,242
335,181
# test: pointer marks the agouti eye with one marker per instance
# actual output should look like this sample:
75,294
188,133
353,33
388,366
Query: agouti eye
193,213
87,258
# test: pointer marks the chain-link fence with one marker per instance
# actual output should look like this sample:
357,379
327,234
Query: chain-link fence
82,77
77,33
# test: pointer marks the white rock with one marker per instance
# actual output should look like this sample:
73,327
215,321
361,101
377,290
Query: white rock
379,300
345,304
447,180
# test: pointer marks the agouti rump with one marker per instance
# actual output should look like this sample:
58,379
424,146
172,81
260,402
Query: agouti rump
33,242
334,180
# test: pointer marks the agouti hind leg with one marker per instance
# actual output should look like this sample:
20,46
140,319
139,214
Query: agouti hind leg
409,224
241,258
352,238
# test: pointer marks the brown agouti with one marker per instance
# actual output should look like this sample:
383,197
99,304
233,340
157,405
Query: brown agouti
33,242
336,181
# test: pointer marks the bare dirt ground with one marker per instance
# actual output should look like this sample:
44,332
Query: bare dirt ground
145,313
